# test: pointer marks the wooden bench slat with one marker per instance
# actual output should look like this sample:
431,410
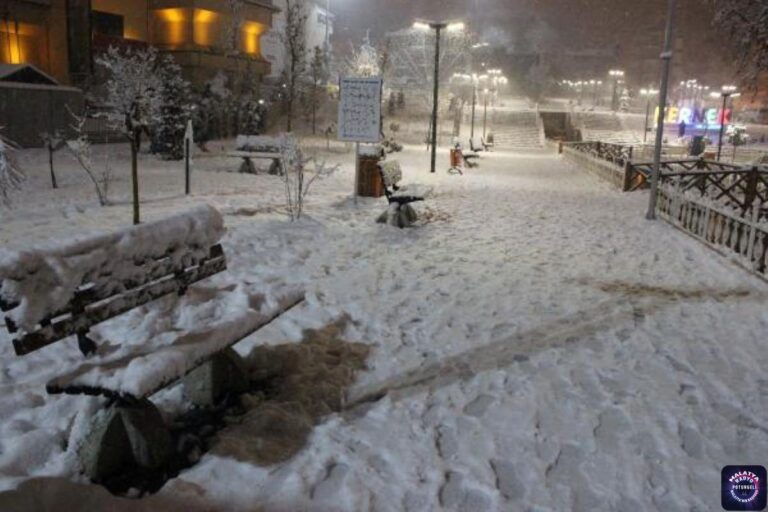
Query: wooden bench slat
115,305
174,360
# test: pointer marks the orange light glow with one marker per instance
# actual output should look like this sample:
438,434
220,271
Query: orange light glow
17,41
206,27
252,32
172,26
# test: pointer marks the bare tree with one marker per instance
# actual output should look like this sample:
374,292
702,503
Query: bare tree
134,97
11,176
295,43
80,147
297,176
746,21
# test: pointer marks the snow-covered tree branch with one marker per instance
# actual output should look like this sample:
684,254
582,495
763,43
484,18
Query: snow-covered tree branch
135,99
80,147
746,22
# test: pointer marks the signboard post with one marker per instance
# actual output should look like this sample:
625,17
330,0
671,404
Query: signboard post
360,115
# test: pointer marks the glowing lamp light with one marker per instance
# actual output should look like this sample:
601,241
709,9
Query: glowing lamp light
419,25
455,27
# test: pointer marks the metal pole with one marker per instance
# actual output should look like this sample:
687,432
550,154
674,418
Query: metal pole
722,126
438,29
357,170
647,116
485,115
474,103
187,152
666,58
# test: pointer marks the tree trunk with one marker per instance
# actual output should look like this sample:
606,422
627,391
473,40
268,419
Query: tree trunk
135,177
50,162
314,111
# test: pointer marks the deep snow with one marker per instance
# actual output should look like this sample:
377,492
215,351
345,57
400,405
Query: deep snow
536,346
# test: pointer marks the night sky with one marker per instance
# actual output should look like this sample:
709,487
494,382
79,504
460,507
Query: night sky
564,24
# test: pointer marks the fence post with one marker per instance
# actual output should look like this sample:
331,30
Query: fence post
750,196
753,229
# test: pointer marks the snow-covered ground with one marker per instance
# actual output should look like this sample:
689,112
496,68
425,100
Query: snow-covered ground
537,346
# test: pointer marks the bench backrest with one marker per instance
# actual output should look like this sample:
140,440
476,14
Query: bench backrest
391,174
53,293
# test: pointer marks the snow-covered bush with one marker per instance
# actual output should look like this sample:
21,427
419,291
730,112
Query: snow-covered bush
298,176
11,176
80,147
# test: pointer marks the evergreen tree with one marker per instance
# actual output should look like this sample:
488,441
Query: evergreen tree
175,110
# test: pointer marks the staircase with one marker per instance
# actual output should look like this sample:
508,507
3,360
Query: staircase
606,127
517,130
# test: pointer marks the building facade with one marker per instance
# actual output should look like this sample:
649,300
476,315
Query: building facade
62,37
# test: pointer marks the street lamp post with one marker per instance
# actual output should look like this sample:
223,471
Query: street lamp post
666,58
438,28
485,112
728,91
616,74
474,105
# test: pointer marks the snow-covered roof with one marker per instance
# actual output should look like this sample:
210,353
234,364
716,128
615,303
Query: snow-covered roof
25,73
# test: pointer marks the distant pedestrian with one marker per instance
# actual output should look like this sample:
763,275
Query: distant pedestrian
682,129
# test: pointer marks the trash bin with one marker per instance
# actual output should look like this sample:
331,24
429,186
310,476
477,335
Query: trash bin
369,181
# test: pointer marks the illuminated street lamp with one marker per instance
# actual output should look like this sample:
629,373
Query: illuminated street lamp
648,94
616,74
727,91
438,27
666,60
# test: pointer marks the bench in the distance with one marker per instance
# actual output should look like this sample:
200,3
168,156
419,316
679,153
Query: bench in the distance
258,147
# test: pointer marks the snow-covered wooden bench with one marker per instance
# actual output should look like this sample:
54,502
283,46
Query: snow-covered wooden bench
476,145
400,212
258,147
54,293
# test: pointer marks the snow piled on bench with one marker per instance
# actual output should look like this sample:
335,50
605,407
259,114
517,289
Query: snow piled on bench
139,370
259,143
44,280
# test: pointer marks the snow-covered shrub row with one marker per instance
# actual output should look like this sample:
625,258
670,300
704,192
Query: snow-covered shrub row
44,280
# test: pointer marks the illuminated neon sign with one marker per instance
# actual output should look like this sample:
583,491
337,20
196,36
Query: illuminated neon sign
698,117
